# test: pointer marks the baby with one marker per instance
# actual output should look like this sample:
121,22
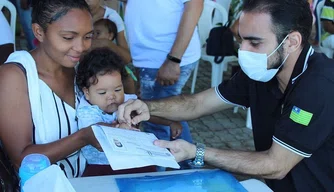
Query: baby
99,77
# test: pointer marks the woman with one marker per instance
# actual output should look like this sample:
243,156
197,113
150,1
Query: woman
37,90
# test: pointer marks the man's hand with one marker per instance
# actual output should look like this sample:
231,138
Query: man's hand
168,73
124,112
176,129
182,150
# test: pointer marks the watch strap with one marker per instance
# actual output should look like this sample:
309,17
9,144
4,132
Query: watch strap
174,59
198,162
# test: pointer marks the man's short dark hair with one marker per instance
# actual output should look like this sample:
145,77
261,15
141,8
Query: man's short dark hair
286,16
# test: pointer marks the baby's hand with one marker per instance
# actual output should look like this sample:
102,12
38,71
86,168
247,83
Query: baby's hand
126,126
176,129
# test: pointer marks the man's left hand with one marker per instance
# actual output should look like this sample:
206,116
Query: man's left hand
181,149
168,73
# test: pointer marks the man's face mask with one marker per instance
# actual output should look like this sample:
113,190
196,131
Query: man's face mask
255,65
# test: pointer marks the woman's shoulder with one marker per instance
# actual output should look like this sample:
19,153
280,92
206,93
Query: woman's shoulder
113,15
109,10
14,69
12,77
22,57
11,72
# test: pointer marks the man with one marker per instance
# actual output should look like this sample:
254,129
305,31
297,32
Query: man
290,90
165,48
327,18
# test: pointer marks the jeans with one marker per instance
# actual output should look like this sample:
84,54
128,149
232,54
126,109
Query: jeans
150,89
25,20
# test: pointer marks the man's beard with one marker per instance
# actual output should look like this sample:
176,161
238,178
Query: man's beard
278,60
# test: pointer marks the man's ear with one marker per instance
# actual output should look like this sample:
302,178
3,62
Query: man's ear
295,40
38,32
86,92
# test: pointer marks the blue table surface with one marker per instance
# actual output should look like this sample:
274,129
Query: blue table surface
198,181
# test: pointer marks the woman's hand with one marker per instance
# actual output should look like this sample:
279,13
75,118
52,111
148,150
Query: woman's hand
89,138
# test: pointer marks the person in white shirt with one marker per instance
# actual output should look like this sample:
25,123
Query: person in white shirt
165,48
6,39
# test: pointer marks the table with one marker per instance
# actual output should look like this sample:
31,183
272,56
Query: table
108,183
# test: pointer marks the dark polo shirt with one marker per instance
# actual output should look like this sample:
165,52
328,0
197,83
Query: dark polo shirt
300,120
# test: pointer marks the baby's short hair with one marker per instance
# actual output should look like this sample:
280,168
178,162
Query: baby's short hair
111,26
98,61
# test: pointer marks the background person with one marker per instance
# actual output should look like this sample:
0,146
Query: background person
165,48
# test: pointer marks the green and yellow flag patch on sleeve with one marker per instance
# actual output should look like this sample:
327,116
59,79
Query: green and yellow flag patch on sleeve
300,116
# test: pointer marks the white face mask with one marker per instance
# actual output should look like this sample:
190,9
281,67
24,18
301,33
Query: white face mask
255,64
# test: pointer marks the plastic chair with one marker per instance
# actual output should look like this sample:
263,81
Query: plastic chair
327,51
7,4
212,14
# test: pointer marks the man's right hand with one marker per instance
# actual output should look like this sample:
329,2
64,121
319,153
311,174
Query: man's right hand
181,149
124,112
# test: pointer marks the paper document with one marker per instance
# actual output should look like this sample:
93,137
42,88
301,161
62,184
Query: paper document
127,149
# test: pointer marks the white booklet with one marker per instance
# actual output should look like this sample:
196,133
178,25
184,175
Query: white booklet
127,149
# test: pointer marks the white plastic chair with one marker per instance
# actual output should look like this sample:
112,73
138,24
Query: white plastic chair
7,4
327,51
207,21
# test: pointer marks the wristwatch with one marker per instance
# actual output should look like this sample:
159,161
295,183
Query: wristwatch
174,59
198,162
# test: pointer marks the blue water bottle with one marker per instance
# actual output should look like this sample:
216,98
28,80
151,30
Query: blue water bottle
31,165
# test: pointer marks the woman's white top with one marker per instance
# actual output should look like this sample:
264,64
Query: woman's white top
52,118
